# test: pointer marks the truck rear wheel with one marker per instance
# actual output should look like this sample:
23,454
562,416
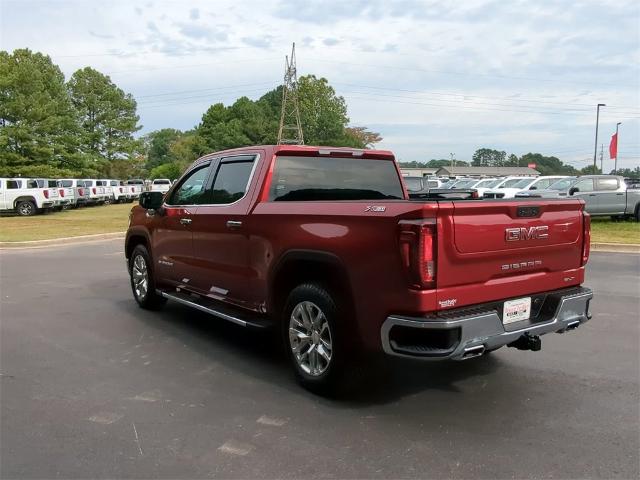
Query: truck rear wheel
143,285
314,338
26,208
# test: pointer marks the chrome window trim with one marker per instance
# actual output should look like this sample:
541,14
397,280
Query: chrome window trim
218,161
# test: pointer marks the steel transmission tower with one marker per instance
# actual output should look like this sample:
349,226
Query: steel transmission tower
290,130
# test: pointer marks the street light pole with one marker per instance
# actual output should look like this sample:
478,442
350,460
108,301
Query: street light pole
595,147
615,165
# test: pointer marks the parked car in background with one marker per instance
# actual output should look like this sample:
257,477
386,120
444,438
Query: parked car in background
67,195
497,191
106,189
135,186
604,195
160,185
119,191
486,184
25,197
53,192
80,190
527,183
420,184
96,193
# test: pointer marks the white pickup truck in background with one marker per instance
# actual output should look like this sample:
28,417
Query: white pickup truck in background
135,187
80,191
25,197
120,192
160,185
97,193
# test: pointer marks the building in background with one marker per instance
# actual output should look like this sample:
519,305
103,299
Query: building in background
484,171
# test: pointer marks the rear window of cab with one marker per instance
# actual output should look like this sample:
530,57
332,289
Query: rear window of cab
333,178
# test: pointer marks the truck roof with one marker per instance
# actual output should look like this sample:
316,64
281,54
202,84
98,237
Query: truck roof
307,150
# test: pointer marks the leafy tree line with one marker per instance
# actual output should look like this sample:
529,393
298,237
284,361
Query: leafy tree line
86,126
323,115
53,128
486,157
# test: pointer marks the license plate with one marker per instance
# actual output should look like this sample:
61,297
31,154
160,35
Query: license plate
516,310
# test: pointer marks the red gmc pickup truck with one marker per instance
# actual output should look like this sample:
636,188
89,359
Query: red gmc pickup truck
326,245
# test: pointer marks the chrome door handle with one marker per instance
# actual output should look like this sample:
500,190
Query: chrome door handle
234,224
185,221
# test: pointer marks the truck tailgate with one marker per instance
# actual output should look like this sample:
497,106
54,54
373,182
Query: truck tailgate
492,250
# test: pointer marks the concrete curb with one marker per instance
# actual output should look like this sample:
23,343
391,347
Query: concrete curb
55,242
616,247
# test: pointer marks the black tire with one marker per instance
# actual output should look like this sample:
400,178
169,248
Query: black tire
146,297
329,376
26,208
637,215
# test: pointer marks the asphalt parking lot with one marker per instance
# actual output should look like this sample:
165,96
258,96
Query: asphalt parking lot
94,387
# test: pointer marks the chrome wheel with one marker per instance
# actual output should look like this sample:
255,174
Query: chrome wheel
26,209
310,338
140,277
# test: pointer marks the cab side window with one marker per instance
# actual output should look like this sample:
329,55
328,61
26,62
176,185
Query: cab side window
193,189
607,184
585,185
13,184
231,181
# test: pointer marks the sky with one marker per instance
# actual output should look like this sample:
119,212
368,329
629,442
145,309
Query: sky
433,78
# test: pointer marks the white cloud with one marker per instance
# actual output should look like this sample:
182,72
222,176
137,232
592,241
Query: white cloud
450,77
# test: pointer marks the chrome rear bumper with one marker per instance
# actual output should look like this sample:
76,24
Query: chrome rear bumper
469,332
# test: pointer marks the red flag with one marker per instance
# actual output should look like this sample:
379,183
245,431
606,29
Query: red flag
613,146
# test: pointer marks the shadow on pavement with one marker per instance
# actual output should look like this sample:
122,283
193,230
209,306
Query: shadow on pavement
260,355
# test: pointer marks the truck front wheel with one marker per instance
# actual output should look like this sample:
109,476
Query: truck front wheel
313,338
142,283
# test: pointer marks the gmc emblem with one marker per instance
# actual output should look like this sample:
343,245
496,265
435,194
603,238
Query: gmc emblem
524,233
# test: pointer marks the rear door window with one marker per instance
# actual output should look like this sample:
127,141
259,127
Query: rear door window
13,184
231,181
329,178
606,184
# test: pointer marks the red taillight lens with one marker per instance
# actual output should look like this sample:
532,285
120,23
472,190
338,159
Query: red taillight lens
81,192
46,193
132,189
61,192
94,190
121,190
586,237
418,247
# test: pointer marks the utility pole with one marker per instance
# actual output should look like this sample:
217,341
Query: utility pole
290,129
601,155
453,159
595,147
615,165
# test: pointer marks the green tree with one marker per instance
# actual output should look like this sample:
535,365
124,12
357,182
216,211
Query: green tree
38,123
167,170
547,165
487,157
158,146
590,170
107,116
627,172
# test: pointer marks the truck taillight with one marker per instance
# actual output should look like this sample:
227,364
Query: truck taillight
46,193
81,192
61,192
418,247
94,190
586,237
121,189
